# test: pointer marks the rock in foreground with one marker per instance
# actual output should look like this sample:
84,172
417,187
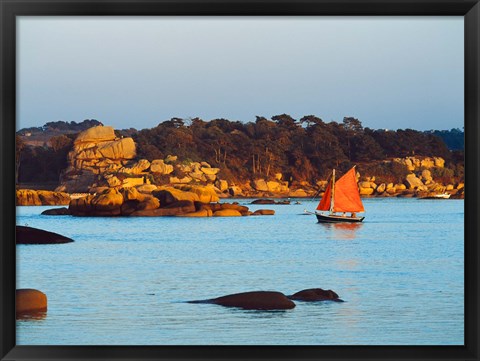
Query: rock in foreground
315,294
29,235
256,300
29,301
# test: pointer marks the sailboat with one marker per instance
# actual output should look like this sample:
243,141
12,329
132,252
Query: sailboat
341,196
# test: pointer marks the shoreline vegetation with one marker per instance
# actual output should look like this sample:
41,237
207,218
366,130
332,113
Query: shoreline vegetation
102,168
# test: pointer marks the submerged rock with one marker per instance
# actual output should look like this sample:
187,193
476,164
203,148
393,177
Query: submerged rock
256,300
315,294
29,235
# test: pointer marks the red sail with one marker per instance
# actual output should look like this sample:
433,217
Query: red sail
347,196
324,204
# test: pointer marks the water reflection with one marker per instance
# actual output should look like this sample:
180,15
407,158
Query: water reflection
31,315
343,231
263,314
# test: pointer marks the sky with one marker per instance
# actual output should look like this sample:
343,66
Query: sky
389,72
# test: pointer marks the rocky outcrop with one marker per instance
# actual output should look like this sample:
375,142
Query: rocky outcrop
235,191
29,301
415,163
256,300
413,182
168,195
136,168
29,197
101,160
159,166
30,235
270,186
165,201
227,213
97,151
298,193
174,209
315,294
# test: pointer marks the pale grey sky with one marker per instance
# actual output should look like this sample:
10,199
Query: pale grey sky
390,72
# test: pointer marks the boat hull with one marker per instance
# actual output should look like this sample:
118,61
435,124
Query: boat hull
329,218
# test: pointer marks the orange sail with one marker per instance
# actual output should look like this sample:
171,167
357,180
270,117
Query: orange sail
347,196
325,202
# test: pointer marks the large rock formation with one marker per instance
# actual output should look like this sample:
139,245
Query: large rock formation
96,151
193,201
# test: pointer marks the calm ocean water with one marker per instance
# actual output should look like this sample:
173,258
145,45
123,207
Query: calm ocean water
124,280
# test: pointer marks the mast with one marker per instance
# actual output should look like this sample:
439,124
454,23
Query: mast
333,192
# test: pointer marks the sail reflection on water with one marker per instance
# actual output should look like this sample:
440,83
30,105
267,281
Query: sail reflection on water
342,231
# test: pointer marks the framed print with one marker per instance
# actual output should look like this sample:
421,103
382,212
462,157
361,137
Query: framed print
239,180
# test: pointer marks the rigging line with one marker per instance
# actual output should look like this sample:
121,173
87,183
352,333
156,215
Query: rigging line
320,189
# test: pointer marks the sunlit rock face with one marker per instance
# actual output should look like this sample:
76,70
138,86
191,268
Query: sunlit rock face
95,151
29,197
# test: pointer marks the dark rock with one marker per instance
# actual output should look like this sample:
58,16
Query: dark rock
315,294
56,212
29,235
256,300
199,206
215,206
263,201
128,207
269,201
180,204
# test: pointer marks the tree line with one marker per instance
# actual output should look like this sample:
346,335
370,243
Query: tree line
304,149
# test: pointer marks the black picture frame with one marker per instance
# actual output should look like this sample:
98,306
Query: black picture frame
9,9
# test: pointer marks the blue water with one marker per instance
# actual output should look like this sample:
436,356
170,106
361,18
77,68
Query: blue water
124,280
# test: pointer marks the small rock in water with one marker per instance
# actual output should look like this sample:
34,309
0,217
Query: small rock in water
263,201
256,300
315,294
29,302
